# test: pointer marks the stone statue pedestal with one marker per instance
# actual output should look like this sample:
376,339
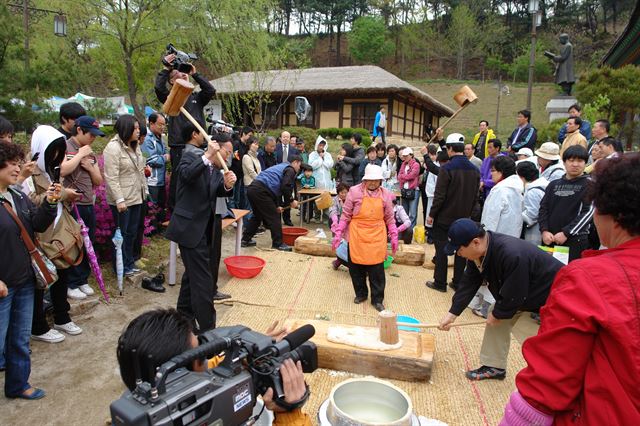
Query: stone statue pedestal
558,106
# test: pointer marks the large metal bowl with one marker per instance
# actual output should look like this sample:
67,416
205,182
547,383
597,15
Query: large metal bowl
370,402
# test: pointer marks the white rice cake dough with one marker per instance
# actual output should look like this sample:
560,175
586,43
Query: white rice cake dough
360,337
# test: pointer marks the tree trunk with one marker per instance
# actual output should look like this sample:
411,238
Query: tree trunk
338,42
133,89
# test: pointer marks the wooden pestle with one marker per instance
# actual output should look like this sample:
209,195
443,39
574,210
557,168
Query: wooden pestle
388,327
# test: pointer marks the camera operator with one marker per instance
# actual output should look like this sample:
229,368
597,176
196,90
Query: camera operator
195,104
161,334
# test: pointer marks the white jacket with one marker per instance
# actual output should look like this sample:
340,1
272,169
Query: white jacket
388,166
533,193
322,166
430,184
503,207
553,172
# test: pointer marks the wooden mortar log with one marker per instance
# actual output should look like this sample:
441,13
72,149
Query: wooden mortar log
388,327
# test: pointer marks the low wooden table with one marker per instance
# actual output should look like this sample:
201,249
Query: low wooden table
173,247
411,362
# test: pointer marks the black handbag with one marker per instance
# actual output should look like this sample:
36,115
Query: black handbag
407,194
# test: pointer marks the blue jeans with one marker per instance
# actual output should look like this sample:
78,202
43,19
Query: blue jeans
16,311
411,207
246,197
128,221
239,199
78,275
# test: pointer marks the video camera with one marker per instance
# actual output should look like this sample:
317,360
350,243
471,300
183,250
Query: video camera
224,395
183,60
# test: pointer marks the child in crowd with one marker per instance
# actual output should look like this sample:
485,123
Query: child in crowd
372,158
307,181
335,211
403,222
344,170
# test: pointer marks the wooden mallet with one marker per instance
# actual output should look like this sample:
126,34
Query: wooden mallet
174,105
389,326
463,97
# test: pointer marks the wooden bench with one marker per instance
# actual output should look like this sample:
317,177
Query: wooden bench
173,247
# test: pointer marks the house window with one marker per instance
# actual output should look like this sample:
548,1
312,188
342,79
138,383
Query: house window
330,105
363,115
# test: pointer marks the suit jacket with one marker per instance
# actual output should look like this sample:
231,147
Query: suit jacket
292,151
196,192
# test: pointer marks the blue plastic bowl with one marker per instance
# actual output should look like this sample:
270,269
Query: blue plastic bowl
405,318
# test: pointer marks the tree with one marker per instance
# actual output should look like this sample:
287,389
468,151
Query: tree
368,41
462,34
621,87
130,33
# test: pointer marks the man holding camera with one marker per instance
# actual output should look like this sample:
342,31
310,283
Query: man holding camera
195,104
155,337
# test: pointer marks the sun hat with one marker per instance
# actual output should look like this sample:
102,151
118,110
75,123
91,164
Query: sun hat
549,151
525,151
372,172
455,138
406,151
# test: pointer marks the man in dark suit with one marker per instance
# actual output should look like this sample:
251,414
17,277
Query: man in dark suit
284,153
194,224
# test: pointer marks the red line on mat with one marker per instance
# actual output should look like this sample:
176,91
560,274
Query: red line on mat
474,386
304,282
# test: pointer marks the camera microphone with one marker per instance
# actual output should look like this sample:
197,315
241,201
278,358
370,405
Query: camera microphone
294,339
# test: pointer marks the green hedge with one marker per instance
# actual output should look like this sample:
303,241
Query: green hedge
550,131
346,133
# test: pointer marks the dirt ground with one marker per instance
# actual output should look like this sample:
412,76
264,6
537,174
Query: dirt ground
80,375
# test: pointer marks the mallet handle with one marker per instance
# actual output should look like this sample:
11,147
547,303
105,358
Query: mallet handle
206,135
306,200
422,325
458,111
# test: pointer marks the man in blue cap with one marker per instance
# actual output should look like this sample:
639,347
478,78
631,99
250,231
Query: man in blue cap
519,275
81,172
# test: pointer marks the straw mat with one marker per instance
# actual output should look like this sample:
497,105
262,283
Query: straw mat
301,286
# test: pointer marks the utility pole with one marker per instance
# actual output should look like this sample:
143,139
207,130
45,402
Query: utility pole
533,10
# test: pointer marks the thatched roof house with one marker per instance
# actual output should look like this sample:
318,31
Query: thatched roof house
340,97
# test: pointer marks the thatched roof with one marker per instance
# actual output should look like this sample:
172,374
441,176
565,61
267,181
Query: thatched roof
363,80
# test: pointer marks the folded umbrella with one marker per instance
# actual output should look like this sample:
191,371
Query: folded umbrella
91,254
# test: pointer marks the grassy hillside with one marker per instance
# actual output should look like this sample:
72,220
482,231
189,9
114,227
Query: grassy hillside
485,108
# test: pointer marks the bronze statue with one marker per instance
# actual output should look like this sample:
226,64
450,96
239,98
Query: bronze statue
564,64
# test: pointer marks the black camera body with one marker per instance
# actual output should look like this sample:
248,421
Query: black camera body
224,395
183,60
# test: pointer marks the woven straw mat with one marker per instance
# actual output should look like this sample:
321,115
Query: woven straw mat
301,286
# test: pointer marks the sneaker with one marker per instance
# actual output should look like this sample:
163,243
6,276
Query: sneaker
51,336
221,296
76,293
86,289
283,247
250,243
135,270
260,231
69,328
486,372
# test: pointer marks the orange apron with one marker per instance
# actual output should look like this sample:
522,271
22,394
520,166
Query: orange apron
368,233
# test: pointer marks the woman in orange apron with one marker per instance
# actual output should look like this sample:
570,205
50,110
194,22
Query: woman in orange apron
367,218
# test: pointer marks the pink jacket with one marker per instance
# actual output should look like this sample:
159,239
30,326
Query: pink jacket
352,207
412,176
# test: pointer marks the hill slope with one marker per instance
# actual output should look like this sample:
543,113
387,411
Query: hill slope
485,108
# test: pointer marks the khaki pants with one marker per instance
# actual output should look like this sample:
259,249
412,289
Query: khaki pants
496,342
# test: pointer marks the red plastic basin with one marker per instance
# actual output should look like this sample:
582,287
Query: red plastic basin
290,234
244,266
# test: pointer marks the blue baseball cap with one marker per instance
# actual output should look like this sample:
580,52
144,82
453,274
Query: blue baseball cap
461,233
90,124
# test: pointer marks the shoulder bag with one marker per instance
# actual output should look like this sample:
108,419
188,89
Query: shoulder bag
44,269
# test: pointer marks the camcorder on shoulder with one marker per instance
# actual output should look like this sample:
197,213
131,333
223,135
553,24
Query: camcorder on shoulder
224,395
182,61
